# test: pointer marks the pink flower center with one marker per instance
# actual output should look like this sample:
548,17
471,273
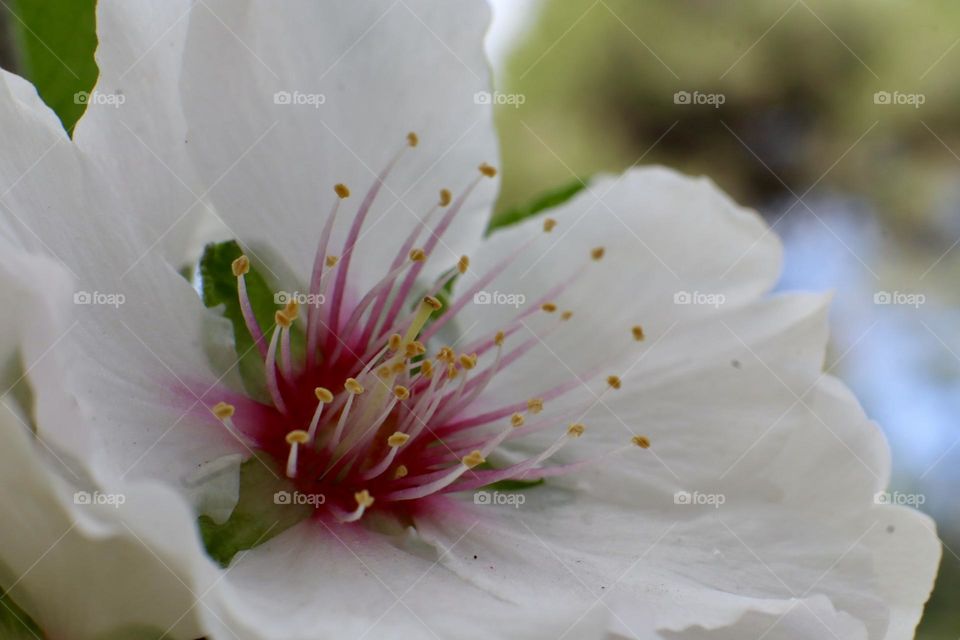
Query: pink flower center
374,415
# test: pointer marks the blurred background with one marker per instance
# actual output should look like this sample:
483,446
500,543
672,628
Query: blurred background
836,119
839,120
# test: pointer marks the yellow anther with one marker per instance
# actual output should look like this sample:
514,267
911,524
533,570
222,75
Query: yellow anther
292,310
452,371
473,459
323,395
468,362
412,139
298,436
383,372
282,319
641,441
401,392
331,261
575,430
499,338
394,342
517,420
223,410
240,266
487,170
549,307
417,255
352,386
445,197
463,264
445,354
597,253
614,382
363,498
426,369
341,190
566,315
398,368
398,439
549,224
535,405
432,302
637,333
420,347
400,472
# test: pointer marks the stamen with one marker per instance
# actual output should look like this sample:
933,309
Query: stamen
316,277
270,362
549,307
471,460
535,405
637,331
445,197
224,413
241,267
641,441
614,382
549,224
323,397
364,502
463,264
353,389
395,441
295,439
597,253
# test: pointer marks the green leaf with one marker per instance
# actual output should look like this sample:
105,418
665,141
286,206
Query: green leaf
15,624
508,484
513,485
259,514
548,200
56,42
219,286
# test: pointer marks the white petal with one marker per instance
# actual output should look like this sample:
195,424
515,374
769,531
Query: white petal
313,582
134,128
80,570
383,69
136,362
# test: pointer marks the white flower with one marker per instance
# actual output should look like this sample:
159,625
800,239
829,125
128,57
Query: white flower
704,477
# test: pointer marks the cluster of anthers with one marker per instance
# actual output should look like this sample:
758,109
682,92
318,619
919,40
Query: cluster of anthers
368,413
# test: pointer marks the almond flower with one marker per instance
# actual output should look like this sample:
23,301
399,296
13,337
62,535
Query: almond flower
376,422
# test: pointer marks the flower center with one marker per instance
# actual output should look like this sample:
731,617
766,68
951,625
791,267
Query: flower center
372,412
